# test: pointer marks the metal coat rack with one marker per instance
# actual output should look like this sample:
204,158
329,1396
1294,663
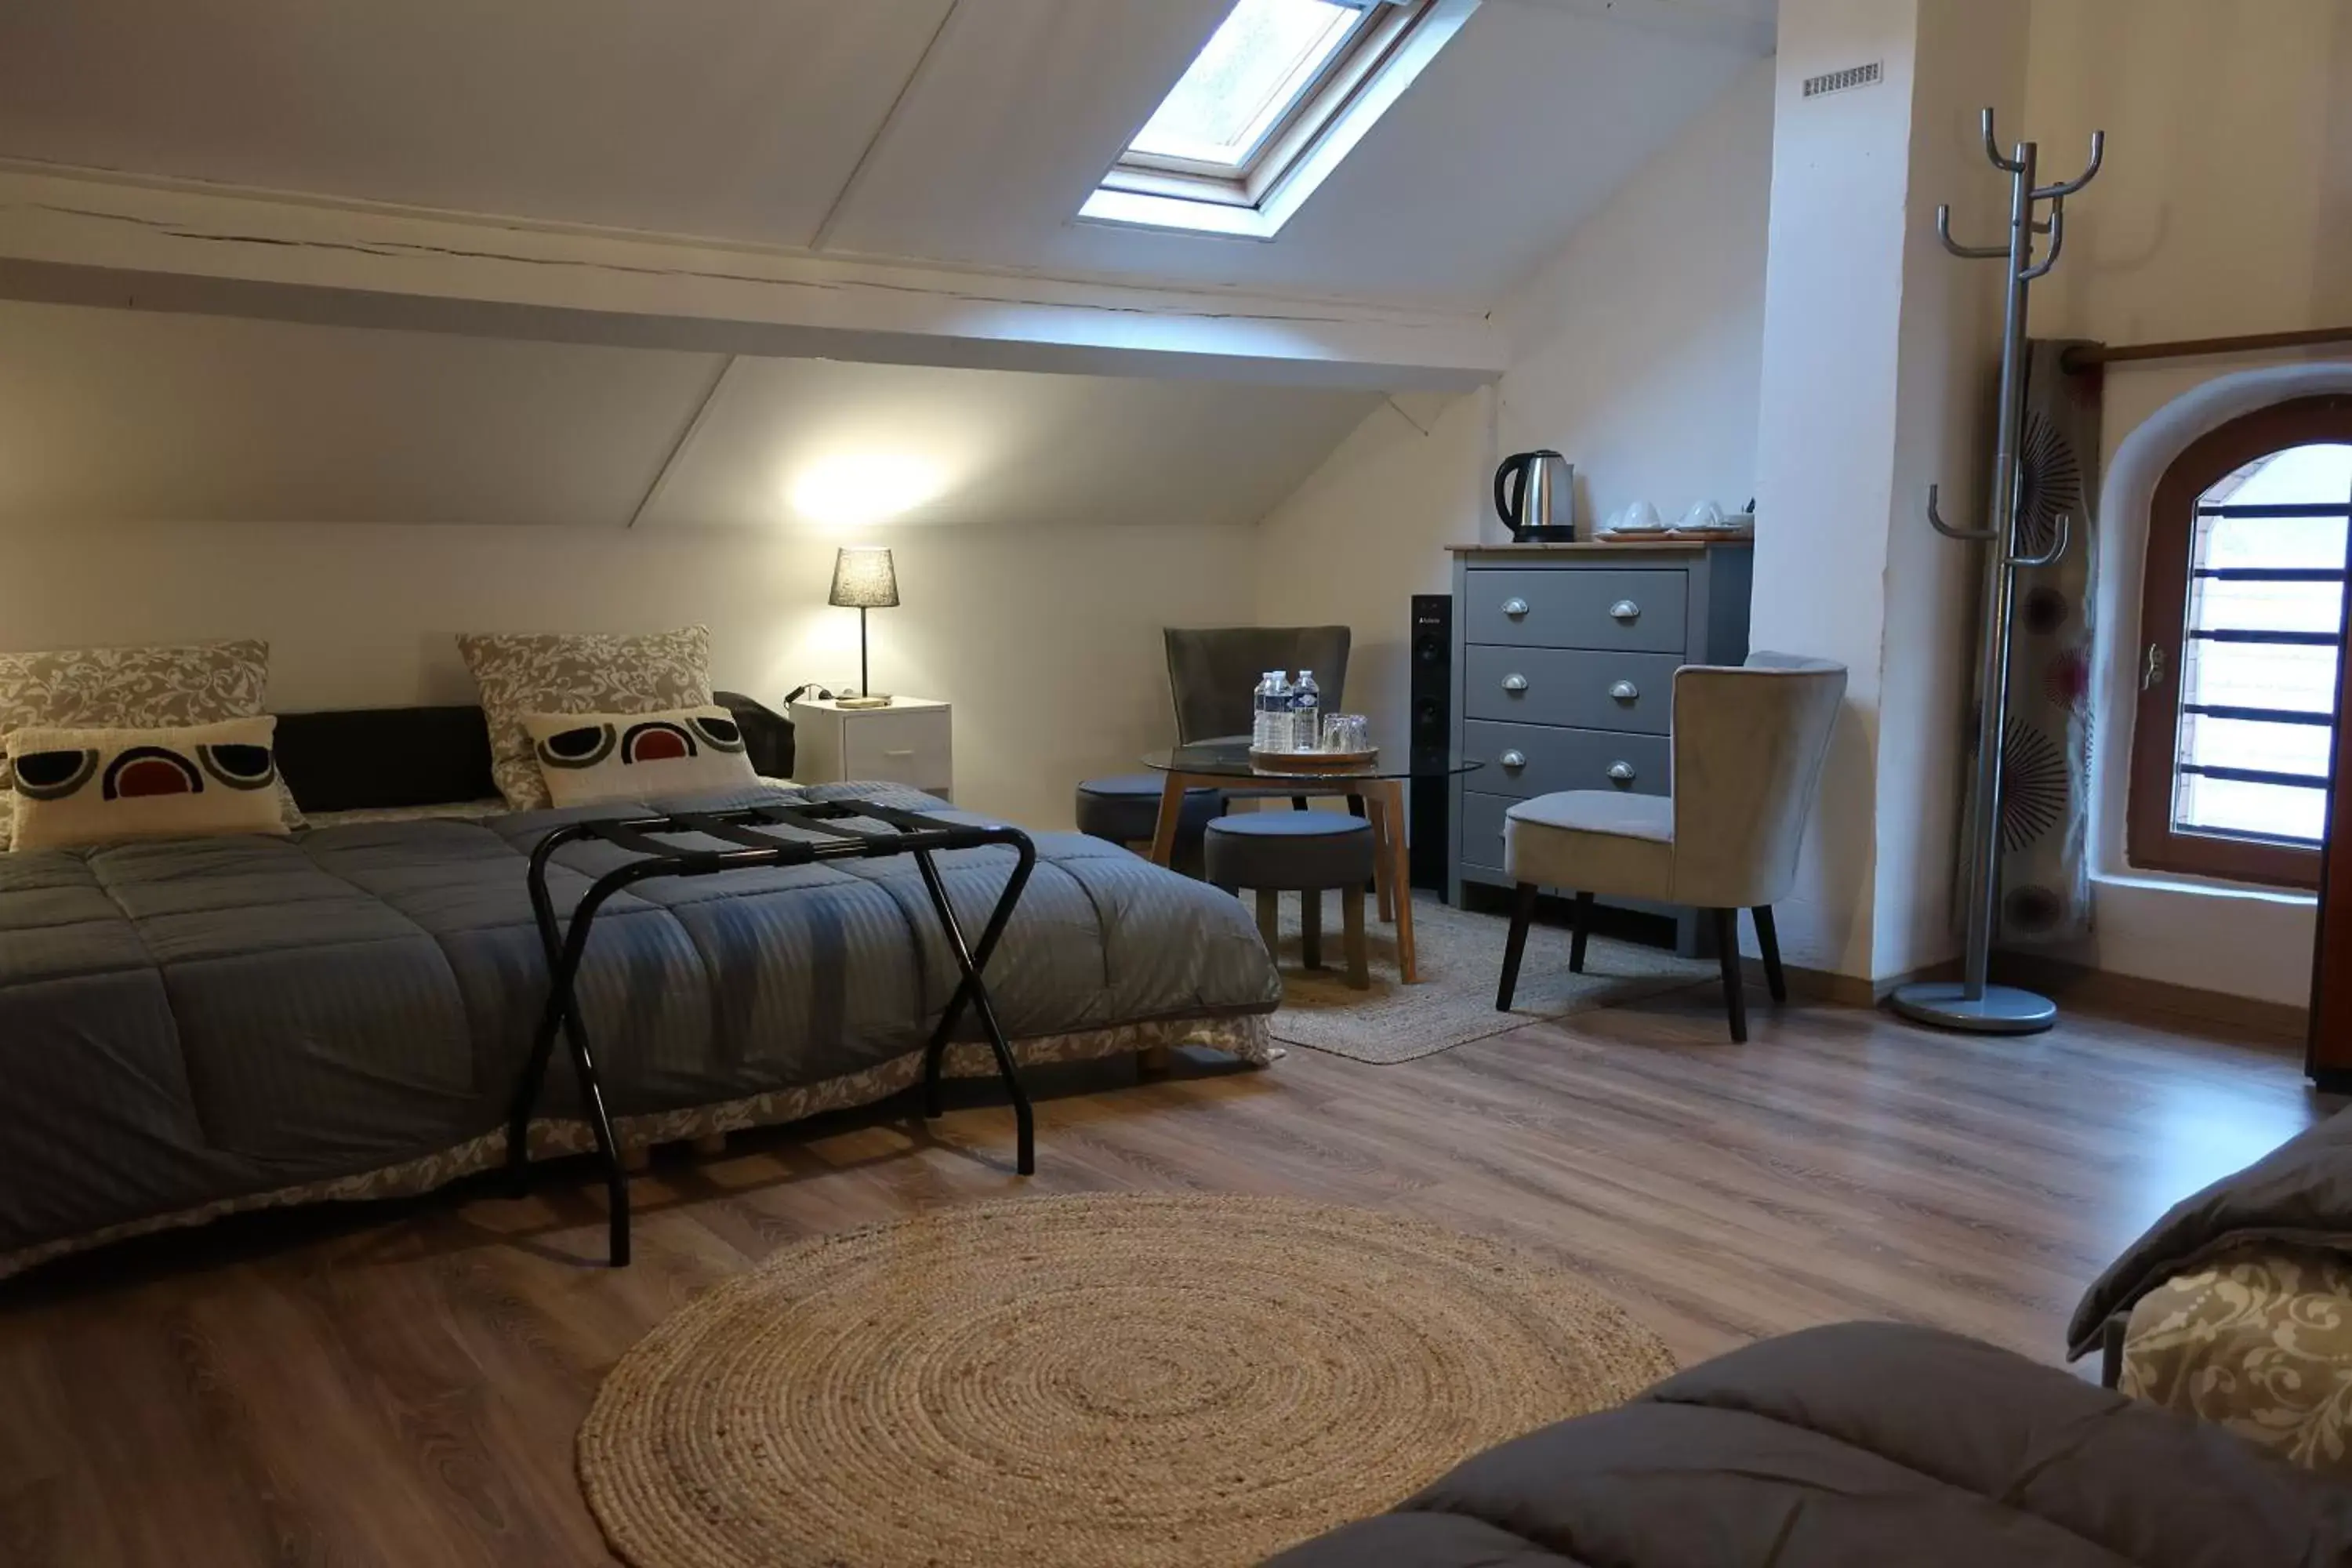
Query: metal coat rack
1972,1002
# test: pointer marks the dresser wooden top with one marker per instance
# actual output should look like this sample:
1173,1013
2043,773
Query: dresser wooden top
1608,547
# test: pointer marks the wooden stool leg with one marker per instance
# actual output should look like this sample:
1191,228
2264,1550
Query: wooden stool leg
1269,921
1310,927
1352,919
1580,927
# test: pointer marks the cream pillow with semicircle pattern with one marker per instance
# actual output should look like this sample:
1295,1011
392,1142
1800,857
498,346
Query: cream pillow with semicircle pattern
585,758
80,787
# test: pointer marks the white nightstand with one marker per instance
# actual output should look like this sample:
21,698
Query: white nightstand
908,743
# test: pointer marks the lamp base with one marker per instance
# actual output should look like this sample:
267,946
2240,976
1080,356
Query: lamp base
2001,1010
868,700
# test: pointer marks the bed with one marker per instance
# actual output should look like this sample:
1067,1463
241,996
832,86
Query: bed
192,1027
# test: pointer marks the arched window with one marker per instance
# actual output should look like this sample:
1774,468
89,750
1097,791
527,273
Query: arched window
2242,627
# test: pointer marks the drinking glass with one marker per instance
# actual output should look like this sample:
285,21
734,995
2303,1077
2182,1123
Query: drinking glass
1345,732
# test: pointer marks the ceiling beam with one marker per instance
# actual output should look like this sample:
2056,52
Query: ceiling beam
77,237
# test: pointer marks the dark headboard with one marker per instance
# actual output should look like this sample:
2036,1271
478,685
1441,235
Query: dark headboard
354,759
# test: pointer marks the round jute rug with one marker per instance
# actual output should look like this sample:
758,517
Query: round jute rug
1113,1381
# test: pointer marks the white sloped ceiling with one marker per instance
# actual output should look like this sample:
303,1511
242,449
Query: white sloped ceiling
947,129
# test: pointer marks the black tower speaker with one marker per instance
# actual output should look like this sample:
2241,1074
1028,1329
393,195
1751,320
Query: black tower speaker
1432,736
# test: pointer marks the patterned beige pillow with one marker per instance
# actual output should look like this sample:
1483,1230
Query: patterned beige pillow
134,687
84,786
521,674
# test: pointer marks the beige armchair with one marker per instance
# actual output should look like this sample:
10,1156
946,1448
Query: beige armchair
1748,744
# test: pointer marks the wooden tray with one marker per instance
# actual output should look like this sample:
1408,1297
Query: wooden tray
1311,761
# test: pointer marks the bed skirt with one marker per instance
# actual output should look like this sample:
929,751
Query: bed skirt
1244,1036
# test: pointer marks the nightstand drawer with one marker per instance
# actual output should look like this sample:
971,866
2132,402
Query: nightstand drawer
1638,610
1577,689
908,748
1528,760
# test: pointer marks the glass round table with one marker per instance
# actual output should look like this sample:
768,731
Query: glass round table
1227,762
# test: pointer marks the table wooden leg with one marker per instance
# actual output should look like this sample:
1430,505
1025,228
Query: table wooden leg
1376,812
1399,881
1172,816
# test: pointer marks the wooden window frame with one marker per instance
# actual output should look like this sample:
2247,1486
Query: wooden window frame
2152,843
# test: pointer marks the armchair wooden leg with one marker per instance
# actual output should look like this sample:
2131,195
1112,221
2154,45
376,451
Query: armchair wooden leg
1735,999
1310,927
1768,939
1269,921
1523,912
1351,925
1580,924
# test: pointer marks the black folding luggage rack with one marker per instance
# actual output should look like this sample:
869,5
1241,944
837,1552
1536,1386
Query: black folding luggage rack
913,833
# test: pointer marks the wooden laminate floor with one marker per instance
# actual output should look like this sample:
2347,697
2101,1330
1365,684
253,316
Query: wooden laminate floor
401,1386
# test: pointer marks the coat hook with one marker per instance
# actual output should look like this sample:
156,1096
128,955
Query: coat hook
1966,252
1992,149
2050,556
2057,242
2072,187
1936,519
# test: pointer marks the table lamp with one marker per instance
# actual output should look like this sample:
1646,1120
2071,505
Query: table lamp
864,579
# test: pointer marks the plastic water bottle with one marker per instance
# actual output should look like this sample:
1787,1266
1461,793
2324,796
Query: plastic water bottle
1306,714
1262,726
1278,711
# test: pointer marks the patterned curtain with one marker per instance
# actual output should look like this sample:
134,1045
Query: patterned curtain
2045,796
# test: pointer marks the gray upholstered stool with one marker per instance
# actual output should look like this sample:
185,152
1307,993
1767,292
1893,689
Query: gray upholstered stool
1125,809
1275,852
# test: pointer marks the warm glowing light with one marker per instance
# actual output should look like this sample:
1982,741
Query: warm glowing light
854,489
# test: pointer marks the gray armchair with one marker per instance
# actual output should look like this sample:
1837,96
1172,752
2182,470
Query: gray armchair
1748,744
1212,672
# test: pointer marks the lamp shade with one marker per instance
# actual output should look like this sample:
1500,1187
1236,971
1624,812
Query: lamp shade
864,579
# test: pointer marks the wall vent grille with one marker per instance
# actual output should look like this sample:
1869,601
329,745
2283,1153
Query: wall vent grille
1839,81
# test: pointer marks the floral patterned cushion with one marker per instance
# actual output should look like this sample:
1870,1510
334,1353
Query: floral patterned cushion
2259,1342
132,687
522,674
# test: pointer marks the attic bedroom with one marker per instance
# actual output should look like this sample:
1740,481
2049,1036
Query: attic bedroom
1152,781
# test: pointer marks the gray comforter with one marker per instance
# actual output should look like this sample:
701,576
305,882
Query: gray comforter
185,1021
2300,1194
1860,1445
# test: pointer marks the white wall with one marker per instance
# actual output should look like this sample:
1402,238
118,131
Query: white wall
1048,641
1634,352
2225,209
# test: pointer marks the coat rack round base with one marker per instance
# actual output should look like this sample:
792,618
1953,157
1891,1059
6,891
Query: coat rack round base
1994,1010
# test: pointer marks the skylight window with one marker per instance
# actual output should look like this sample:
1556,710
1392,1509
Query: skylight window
1282,92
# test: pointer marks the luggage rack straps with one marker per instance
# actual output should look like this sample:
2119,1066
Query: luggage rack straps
914,833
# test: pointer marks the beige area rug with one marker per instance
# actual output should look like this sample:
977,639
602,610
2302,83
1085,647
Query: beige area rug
1461,955
1114,1382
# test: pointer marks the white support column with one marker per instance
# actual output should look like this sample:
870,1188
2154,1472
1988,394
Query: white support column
1876,359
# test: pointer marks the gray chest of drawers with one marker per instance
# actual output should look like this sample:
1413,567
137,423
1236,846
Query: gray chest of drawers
1564,659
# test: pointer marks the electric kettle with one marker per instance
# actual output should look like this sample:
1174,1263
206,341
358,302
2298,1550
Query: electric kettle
1542,507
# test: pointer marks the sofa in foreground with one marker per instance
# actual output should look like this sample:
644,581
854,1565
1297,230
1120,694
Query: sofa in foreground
1855,1446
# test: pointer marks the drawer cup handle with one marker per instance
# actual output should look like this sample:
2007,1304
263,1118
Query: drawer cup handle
1515,759
1514,683
1625,610
1515,608
1621,773
1625,691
